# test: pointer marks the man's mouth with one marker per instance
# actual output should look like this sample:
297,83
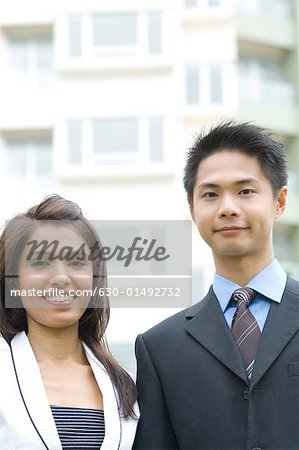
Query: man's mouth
230,230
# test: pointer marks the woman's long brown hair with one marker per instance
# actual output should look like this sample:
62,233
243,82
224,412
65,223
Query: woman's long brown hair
93,323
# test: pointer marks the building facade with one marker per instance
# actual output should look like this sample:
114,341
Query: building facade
100,100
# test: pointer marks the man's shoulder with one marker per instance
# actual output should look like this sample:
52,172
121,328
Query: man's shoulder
174,325
292,287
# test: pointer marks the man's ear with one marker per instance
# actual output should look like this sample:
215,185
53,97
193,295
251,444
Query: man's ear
191,209
281,202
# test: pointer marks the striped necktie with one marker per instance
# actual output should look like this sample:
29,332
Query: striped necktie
245,328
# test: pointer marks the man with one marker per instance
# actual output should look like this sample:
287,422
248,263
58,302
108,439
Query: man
224,374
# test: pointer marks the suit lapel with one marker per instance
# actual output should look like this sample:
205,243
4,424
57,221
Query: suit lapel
208,326
281,325
33,391
113,425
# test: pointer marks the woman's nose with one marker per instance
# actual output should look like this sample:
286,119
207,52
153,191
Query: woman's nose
59,274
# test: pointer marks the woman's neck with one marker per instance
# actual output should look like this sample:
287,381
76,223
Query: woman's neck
61,346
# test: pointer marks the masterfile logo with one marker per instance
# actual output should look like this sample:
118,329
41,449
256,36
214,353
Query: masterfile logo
135,263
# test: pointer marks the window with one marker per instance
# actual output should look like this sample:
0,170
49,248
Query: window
202,3
216,83
115,141
75,35
29,162
292,210
193,82
265,67
285,244
263,78
115,33
114,29
74,138
191,3
30,60
204,84
154,33
156,139
214,2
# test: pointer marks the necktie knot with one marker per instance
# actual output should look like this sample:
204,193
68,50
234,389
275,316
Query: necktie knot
245,294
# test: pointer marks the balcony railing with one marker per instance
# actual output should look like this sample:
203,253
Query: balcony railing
280,9
257,89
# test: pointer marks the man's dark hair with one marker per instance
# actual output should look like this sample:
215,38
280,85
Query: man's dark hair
245,138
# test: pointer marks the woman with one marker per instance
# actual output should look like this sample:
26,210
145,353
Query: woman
60,387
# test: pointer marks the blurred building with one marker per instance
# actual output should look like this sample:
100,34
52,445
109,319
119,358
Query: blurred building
100,100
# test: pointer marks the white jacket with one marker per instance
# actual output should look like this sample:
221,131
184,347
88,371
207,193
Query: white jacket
26,422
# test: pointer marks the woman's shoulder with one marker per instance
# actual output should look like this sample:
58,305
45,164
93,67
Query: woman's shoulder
4,346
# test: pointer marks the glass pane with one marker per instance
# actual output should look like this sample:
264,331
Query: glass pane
74,141
192,80
191,3
284,244
115,29
18,54
281,9
154,32
44,53
16,158
156,139
271,68
44,157
216,83
115,135
44,61
244,64
75,36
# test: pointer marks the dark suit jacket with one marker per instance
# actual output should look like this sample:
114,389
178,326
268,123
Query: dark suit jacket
193,389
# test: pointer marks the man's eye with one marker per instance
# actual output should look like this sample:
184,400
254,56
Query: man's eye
209,195
39,263
246,191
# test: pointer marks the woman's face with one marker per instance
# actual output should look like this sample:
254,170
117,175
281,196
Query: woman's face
52,281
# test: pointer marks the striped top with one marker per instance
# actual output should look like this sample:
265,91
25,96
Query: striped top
79,428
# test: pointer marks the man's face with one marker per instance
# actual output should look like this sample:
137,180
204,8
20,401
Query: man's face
234,207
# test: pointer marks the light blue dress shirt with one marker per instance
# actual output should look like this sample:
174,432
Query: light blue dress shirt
269,285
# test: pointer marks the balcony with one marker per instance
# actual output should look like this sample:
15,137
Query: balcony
291,215
271,103
259,23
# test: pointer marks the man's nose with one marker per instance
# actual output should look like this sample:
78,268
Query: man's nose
229,207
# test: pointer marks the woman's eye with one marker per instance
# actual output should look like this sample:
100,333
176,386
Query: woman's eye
39,263
77,263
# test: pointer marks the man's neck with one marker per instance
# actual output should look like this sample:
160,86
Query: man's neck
241,270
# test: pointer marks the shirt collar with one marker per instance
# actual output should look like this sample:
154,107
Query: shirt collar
270,282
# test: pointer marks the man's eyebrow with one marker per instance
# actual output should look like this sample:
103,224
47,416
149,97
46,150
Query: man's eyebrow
249,180
205,184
